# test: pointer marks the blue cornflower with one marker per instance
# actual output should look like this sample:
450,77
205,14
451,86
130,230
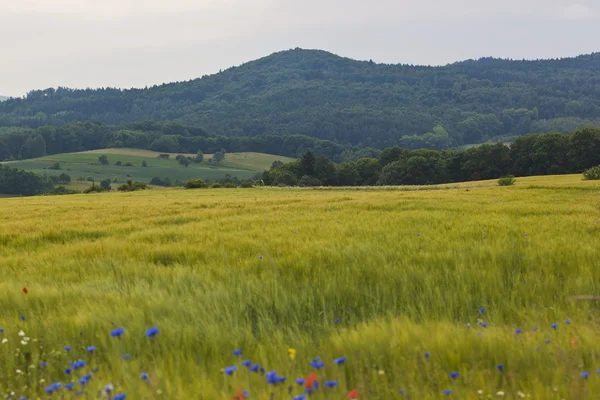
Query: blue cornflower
598,370
554,326
584,375
246,363
454,375
337,320
482,310
22,317
237,352
300,381
518,331
260,257
500,367
317,363
254,368
125,357
83,380
447,392
483,324
330,384
144,376
67,349
568,321
120,396
23,398
54,387
271,377
1,330
117,332
91,349
230,370
280,379
246,394
68,371
427,355
69,386
44,364
340,360
152,331
300,397
79,364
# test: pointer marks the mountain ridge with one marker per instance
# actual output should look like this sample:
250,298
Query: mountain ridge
319,94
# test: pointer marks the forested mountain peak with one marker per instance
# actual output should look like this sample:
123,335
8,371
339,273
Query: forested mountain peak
320,94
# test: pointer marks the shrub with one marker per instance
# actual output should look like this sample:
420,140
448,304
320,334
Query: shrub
55,166
216,186
230,185
195,184
94,189
66,178
246,185
592,174
508,180
105,184
144,164
128,164
132,186
103,160
118,163
61,190
156,181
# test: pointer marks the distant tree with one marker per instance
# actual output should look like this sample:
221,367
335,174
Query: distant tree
308,163
118,163
34,147
105,185
103,160
164,144
199,157
183,160
55,166
64,177
347,174
144,163
276,164
218,157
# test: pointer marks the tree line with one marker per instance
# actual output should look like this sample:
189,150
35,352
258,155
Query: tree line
343,101
535,154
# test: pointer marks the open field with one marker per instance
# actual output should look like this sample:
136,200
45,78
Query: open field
86,164
386,278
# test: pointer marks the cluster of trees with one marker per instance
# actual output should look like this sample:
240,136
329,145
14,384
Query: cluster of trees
22,183
21,143
350,103
536,154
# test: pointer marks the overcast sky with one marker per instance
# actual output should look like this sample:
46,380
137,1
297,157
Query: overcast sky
134,43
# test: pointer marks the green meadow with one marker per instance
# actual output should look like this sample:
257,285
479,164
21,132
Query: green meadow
86,164
408,285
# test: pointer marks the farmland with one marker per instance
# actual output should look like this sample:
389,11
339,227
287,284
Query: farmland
86,165
410,286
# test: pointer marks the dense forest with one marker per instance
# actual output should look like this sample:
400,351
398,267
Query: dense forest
315,94
23,143
536,154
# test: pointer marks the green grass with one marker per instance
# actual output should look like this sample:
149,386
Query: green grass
86,164
404,271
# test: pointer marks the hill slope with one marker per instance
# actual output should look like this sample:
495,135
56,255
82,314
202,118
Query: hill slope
319,94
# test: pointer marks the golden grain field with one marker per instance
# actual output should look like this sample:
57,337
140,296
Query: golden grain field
388,279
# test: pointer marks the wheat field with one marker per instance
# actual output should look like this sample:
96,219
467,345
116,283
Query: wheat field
409,286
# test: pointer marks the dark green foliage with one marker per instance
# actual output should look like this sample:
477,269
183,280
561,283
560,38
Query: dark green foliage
35,146
131,186
321,95
22,183
592,174
105,184
308,180
218,156
508,180
230,185
128,164
94,189
61,190
199,157
103,160
195,184
55,166
216,185
161,182
183,160
144,164
64,178
118,163
246,185
308,163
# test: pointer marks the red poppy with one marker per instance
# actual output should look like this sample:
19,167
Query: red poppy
353,395
24,290
239,395
310,380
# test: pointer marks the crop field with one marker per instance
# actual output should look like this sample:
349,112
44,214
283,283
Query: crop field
86,164
461,292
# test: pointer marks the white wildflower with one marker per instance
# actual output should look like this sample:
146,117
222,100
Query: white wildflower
4,340
23,342
500,393
21,333
19,371
480,391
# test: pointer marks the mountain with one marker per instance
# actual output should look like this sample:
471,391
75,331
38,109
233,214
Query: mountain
2,98
319,94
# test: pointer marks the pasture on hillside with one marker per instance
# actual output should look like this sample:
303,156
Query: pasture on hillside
456,291
86,164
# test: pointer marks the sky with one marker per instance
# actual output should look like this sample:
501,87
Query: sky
137,43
